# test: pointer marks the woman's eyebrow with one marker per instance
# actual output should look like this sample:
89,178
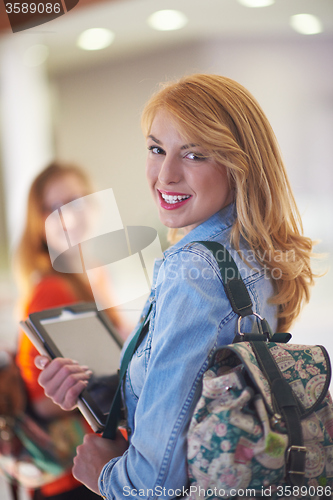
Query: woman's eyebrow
154,139
186,146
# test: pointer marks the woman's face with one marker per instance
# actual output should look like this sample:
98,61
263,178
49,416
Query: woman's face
74,221
187,185
61,191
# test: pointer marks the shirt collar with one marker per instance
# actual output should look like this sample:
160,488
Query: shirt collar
208,229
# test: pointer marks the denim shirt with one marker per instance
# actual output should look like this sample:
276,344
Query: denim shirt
190,317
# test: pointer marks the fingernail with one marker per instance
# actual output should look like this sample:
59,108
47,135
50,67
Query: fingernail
43,362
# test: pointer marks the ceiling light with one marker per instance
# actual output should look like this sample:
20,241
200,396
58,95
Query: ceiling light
167,20
35,55
256,3
95,39
306,24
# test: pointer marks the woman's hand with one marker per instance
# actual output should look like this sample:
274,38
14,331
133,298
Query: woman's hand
63,380
93,454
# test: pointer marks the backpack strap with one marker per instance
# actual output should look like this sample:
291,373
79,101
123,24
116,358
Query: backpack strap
115,410
288,407
235,288
236,291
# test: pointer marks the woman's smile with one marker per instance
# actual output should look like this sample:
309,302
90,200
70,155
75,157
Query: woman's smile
172,201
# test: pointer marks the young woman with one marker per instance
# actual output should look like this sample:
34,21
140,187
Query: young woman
215,171
42,287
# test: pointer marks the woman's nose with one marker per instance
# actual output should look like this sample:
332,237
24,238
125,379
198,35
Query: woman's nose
170,171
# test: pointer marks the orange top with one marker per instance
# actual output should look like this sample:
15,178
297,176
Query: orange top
51,291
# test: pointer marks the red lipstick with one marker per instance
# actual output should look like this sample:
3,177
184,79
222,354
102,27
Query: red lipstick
172,206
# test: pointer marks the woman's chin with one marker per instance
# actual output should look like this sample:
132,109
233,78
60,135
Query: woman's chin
171,224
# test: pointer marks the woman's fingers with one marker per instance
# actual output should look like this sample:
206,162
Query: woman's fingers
63,380
67,393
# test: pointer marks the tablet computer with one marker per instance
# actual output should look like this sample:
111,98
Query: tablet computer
82,333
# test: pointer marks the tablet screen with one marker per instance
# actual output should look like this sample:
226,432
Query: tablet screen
85,339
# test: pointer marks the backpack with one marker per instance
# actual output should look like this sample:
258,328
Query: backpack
263,426
33,451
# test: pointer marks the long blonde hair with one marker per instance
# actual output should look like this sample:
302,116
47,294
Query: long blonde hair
220,115
32,259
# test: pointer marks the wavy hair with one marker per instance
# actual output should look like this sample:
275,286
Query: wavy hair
32,258
220,115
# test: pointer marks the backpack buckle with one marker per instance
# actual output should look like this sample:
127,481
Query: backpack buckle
296,462
240,319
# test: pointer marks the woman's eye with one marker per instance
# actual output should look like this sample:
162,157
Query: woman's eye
156,150
196,156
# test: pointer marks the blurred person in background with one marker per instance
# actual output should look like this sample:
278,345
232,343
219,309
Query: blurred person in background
41,287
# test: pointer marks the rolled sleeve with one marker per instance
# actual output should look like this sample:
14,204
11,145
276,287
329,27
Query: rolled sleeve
104,478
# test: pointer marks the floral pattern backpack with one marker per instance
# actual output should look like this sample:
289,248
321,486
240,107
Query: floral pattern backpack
263,426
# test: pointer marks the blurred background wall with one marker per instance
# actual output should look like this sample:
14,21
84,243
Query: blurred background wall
85,106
